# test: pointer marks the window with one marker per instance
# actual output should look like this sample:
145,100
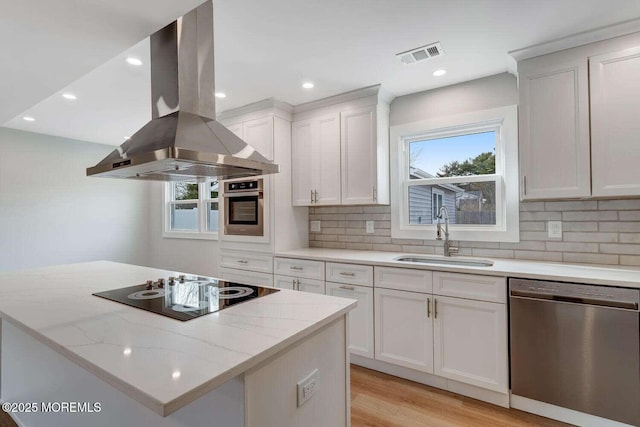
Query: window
191,210
466,164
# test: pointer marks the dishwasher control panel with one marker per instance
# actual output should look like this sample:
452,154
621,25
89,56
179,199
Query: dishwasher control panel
609,296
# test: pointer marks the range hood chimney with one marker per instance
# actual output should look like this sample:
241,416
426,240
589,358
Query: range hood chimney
183,141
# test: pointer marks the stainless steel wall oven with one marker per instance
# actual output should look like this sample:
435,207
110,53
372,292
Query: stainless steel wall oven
244,207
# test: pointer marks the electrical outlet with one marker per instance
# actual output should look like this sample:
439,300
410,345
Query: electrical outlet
315,226
308,387
369,225
554,229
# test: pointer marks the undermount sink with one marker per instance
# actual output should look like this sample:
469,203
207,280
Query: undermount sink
466,262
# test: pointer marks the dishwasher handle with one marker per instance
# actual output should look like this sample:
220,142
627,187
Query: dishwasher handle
582,299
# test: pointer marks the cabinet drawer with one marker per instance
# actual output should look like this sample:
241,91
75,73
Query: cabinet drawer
299,268
404,279
246,277
250,261
350,273
471,286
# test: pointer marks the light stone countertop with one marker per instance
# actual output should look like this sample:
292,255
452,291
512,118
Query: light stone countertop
581,273
55,306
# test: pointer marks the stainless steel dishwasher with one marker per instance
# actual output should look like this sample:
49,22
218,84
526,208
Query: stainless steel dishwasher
576,346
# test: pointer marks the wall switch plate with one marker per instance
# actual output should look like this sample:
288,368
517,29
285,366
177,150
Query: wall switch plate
554,229
369,226
308,387
315,226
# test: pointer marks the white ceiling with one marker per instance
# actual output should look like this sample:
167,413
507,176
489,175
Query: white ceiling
264,48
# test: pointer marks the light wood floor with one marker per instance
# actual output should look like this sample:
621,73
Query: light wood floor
380,400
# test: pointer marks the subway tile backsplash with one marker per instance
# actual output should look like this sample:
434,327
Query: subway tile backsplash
594,232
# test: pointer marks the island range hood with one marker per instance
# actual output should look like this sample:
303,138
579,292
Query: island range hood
183,141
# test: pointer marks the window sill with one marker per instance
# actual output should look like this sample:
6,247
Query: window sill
192,235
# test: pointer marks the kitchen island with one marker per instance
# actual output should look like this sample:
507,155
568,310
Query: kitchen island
70,358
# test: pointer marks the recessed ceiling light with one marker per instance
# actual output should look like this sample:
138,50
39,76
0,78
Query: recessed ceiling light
69,96
175,375
127,351
439,73
134,61
126,138
221,95
28,119
308,85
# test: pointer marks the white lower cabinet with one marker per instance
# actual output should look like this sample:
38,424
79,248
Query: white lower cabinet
403,329
470,342
360,318
248,277
299,284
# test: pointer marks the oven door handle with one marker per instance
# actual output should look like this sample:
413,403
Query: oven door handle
245,194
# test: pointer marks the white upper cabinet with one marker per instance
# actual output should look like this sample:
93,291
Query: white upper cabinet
256,132
578,121
615,125
554,130
316,161
340,150
359,165
259,134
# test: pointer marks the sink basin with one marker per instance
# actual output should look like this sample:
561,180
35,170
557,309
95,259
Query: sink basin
466,262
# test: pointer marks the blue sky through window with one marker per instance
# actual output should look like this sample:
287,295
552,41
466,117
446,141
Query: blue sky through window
430,155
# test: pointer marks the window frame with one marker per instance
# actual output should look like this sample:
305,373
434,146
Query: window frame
201,203
501,120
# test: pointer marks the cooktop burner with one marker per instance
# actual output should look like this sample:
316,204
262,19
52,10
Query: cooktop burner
185,297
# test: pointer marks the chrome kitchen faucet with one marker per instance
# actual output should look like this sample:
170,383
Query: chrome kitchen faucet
448,249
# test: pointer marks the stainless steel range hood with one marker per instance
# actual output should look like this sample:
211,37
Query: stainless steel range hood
183,141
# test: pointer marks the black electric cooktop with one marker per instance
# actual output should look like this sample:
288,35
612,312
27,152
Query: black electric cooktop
185,297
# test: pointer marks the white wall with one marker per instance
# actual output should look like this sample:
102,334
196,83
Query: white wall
475,95
51,213
187,255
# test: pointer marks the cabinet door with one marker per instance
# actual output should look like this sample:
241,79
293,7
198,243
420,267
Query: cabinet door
470,342
554,130
237,129
403,329
259,134
615,103
247,277
359,156
310,285
360,318
326,160
284,282
302,158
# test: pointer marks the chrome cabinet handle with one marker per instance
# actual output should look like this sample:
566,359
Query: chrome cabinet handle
524,184
435,308
296,284
293,267
311,197
348,288
428,307
345,273
375,194
315,196
241,261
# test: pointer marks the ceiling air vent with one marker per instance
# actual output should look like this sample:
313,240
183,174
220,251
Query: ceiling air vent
429,51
